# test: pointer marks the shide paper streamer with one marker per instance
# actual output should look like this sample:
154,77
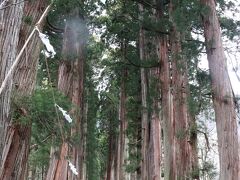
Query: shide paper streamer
65,114
49,52
73,169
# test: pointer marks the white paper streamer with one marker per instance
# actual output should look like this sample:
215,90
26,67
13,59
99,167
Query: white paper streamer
65,114
73,169
47,43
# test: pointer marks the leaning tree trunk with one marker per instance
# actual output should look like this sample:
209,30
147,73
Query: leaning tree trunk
16,149
223,97
70,82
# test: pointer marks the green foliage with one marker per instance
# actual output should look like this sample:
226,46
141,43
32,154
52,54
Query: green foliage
181,134
19,110
134,160
230,27
39,157
209,169
27,20
41,113
186,15
92,159
200,96
67,6
193,130
195,173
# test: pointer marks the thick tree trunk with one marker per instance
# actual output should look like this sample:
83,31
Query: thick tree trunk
10,21
145,128
58,166
70,82
17,142
167,109
112,155
223,99
154,153
122,154
182,150
194,148
122,139
166,100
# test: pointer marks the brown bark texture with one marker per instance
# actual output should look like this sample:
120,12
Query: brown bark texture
10,22
182,149
223,97
144,116
17,142
167,109
166,100
17,138
122,137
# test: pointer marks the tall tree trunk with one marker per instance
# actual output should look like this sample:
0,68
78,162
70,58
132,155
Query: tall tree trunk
144,118
70,82
122,154
17,142
166,100
112,154
182,153
167,110
154,169
10,21
123,127
182,150
223,97
194,147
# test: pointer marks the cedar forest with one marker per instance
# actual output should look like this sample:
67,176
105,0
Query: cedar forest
114,90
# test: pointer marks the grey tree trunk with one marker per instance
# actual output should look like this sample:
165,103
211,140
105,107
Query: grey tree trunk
223,97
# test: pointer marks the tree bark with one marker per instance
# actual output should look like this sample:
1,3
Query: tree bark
10,21
144,117
182,150
70,82
223,97
166,100
17,138
122,154
167,109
